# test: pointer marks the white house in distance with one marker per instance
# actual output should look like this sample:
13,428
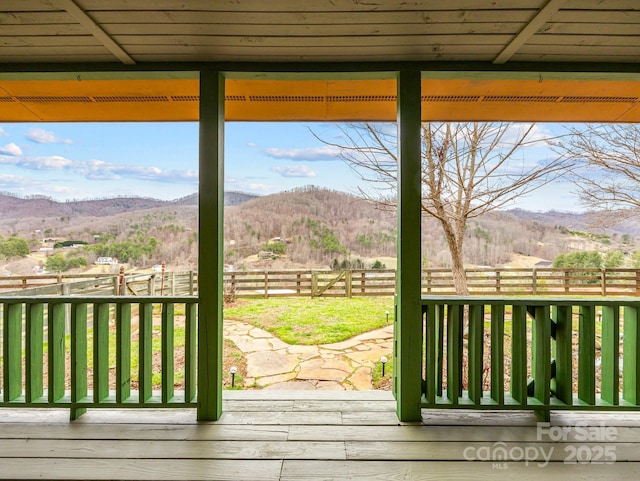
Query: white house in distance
106,261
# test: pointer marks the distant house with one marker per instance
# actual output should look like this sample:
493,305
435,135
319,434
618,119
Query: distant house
541,264
106,261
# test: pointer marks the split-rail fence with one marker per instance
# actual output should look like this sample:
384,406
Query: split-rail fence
326,283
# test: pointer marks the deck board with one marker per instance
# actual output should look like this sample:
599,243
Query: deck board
140,469
123,449
439,471
301,435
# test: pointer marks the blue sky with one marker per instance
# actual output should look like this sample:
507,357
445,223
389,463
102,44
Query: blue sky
94,160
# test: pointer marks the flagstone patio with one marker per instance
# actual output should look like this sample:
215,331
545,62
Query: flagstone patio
274,364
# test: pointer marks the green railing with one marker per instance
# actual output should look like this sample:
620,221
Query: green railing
535,353
80,352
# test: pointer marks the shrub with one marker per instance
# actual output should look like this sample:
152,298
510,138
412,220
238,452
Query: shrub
13,247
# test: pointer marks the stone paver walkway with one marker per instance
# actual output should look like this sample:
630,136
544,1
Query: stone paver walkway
274,364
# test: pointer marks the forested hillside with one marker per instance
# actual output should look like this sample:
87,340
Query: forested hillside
308,227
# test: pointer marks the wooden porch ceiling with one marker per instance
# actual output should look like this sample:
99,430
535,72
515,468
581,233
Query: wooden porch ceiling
320,100
45,36
143,31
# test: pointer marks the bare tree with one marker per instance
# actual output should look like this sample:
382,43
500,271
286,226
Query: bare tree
609,159
468,169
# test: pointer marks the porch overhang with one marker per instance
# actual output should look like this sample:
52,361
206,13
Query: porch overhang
338,60
446,95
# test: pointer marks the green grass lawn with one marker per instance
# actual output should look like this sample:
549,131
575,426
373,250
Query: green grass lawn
316,320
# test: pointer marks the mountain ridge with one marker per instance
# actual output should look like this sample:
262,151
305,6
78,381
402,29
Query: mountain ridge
14,206
316,227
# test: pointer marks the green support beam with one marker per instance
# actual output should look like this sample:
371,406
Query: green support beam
631,358
564,353
210,251
79,366
497,353
408,352
145,352
33,368
455,321
587,355
476,352
519,354
610,355
168,346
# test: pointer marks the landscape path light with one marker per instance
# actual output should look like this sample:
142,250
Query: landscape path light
387,313
233,372
384,361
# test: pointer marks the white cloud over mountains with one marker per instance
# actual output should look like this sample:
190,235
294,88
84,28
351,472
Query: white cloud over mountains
96,169
41,136
309,154
11,149
294,171
243,184
9,181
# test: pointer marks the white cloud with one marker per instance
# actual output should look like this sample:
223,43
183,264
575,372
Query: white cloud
241,184
42,136
26,185
59,189
50,162
11,149
13,181
53,162
3,133
310,154
99,169
294,171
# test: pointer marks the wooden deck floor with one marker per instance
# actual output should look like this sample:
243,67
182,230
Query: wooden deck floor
315,435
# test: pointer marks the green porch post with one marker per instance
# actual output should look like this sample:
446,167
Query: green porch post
408,354
210,245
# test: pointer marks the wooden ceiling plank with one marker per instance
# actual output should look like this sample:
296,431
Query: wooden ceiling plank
311,51
311,42
86,21
607,5
587,41
53,50
46,31
33,18
41,41
252,56
27,6
218,17
598,17
65,58
590,29
312,31
581,50
529,30
303,6
572,58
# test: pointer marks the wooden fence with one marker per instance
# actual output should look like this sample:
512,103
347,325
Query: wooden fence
326,283
122,284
